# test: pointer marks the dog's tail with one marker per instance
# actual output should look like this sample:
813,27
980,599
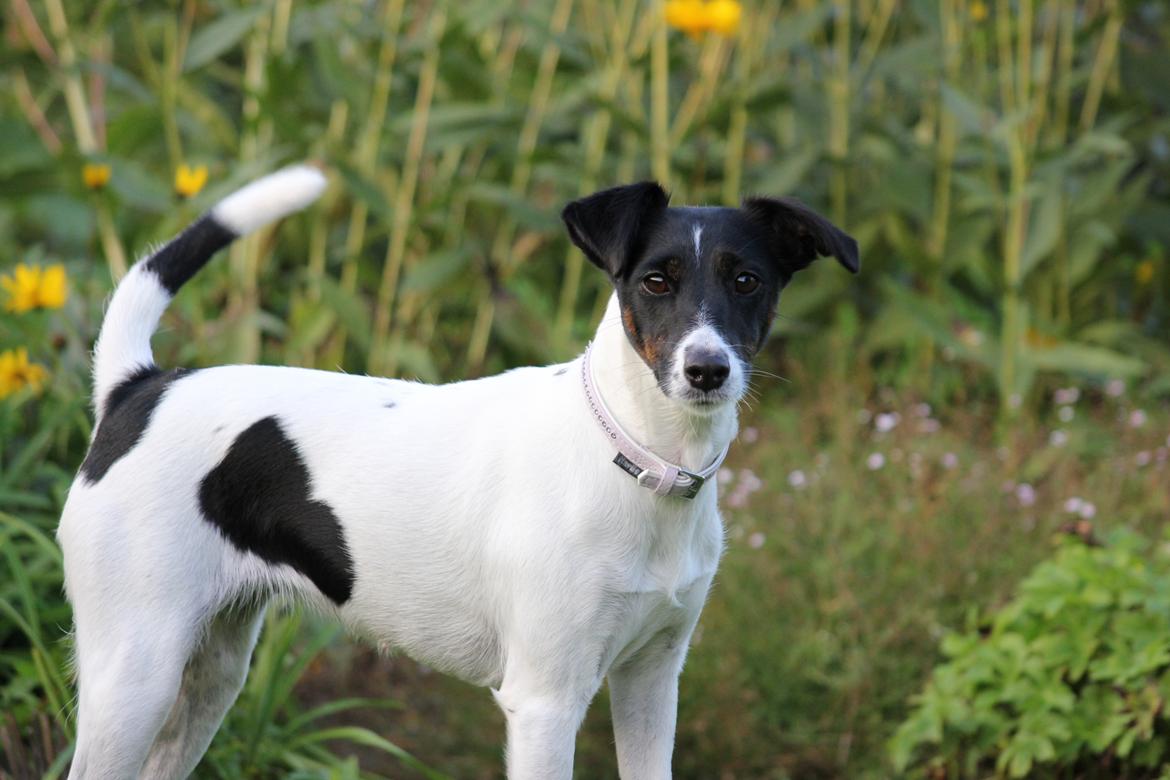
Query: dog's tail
123,346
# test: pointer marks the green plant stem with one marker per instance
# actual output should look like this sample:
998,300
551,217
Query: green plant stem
245,253
366,157
83,133
1102,64
378,360
525,147
594,139
659,99
839,110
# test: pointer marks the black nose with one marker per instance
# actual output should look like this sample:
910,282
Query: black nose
706,369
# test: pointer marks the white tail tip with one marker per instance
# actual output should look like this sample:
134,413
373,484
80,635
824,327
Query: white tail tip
270,198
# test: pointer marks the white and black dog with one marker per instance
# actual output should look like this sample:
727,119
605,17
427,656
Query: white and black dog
480,527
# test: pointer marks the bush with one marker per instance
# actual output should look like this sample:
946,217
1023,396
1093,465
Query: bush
1070,677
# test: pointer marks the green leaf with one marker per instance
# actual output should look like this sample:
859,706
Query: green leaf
214,39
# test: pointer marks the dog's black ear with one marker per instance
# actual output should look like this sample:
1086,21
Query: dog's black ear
610,226
800,235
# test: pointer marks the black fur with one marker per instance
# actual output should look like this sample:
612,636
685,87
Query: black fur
189,251
258,498
799,235
610,226
126,416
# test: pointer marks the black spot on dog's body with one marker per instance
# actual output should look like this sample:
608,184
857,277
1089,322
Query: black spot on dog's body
125,417
258,498
389,405
189,251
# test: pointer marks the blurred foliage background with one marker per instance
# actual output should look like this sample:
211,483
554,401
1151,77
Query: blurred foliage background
997,374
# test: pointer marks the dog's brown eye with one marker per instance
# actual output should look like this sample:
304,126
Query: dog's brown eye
655,284
746,284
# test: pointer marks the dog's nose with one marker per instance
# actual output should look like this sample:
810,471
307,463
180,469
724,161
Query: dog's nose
706,369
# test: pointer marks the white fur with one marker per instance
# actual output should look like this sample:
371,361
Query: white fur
268,199
492,538
697,237
123,344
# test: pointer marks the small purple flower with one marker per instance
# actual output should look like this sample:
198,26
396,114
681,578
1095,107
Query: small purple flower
1115,388
756,540
1142,459
875,461
1057,438
886,422
797,479
950,461
1025,494
1137,418
750,435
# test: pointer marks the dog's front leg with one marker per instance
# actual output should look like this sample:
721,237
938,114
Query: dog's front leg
643,696
542,730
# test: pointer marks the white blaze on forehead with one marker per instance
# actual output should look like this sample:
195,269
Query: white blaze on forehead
697,234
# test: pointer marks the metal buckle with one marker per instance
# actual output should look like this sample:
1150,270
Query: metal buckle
690,490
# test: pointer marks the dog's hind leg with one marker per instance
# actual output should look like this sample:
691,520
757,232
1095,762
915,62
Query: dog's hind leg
212,679
129,671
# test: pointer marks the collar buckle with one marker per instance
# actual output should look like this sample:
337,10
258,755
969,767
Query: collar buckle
687,490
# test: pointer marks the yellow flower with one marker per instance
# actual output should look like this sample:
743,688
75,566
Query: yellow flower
723,16
1144,272
189,180
690,16
95,175
695,17
30,287
22,288
53,289
978,11
16,372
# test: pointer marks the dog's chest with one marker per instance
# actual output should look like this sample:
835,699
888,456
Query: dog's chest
662,595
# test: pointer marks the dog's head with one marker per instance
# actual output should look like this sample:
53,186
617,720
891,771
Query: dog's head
698,286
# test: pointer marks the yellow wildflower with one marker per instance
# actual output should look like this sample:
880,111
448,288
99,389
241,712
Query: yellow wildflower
16,372
95,175
53,289
189,180
723,16
690,16
30,287
22,288
1144,272
978,11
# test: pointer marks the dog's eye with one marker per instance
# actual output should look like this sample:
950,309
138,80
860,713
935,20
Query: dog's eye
746,284
655,284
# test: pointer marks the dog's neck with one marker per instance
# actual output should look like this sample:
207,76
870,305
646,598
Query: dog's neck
667,427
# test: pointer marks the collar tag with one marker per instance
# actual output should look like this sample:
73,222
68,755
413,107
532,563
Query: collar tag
628,466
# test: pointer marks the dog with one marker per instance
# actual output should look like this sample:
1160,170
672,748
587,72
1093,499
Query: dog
537,532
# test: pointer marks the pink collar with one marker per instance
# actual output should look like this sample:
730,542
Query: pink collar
651,471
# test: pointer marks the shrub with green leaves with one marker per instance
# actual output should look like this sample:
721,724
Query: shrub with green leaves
1070,677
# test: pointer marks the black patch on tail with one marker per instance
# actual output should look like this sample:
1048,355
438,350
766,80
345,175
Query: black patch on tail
126,415
189,251
258,498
